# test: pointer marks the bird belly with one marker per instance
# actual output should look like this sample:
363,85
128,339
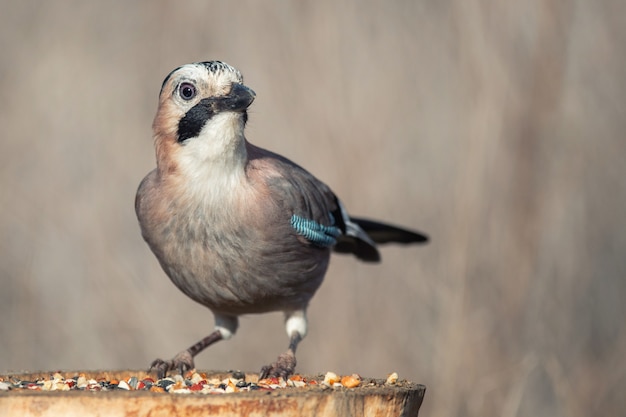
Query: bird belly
241,270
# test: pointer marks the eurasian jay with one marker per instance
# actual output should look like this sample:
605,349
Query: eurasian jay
237,228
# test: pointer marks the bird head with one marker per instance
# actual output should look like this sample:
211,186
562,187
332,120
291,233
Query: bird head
202,107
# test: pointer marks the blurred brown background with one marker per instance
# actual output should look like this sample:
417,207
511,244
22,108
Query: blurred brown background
495,127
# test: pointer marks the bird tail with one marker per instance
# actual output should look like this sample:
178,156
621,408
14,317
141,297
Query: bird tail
362,235
386,233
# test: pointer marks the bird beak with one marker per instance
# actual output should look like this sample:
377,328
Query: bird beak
239,99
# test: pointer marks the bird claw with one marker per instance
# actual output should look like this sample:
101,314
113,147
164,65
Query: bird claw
183,361
284,367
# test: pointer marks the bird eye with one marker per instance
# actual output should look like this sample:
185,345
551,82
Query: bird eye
187,91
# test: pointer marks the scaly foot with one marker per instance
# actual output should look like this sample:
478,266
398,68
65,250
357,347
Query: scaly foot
183,361
284,366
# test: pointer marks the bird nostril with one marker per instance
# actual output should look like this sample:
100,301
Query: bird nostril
239,98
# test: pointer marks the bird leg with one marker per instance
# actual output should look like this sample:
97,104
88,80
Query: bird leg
183,361
225,328
285,365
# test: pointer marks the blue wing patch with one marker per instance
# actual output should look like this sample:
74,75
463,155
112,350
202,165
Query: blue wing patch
317,234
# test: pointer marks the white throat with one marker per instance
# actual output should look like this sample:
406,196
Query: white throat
213,163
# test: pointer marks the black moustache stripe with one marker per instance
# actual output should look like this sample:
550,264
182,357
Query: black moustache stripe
194,120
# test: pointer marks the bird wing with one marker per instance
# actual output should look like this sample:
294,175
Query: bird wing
307,203
314,211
